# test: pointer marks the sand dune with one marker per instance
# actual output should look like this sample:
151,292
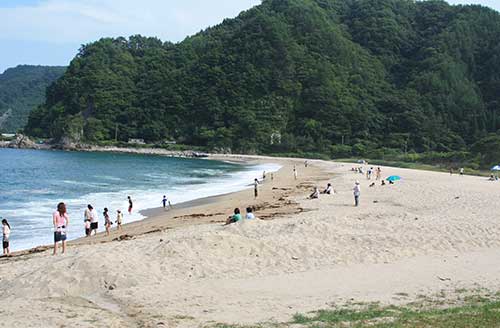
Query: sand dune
402,238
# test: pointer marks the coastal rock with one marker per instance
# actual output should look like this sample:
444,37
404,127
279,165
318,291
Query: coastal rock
22,141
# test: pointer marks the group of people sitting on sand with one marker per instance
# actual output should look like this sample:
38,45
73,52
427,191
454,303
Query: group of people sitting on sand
236,217
327,191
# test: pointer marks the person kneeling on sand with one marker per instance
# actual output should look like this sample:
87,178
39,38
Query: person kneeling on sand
329,189
315,193
249,215
235,217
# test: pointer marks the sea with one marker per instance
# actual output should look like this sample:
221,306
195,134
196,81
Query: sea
33,182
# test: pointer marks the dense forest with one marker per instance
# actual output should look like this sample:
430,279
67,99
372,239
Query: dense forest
337,77
22,89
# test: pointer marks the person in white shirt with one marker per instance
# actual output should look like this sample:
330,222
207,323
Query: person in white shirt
249,215
315,194
91,215
357,193
328,190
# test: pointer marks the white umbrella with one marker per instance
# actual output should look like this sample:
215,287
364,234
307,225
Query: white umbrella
496,168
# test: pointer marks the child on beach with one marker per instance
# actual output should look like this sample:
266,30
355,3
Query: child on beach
107,221
87,227
119,219
6,235
249,215
235,217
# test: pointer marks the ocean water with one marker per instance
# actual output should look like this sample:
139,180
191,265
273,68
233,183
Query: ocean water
32,183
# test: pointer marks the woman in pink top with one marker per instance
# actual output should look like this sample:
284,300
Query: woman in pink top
61,222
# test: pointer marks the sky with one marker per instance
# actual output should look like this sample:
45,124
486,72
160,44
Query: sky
50,32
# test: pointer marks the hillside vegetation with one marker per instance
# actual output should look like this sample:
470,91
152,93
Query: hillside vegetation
22,89
337,77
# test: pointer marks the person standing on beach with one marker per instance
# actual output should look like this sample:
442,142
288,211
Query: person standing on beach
60,220
119,219
91,215
5,235
379,173
87,227
165,202
357,193
295,172
255,188
107,221
461,171
130,205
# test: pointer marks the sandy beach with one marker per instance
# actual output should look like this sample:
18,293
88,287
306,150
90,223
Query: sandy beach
429,233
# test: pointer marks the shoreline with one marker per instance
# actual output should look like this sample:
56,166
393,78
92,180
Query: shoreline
182,212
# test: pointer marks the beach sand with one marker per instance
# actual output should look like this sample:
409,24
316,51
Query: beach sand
429,233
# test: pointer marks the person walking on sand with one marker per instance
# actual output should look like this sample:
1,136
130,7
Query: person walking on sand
378,173
255,188
461,171
295,172
107,221
6,235
119,219
60,220
130,205
357,193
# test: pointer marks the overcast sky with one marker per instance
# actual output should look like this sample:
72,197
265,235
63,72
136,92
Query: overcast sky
49,32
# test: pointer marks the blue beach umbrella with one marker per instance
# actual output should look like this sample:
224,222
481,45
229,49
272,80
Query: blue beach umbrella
393,178
496,168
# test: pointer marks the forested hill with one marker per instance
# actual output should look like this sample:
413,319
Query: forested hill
22,89
294,75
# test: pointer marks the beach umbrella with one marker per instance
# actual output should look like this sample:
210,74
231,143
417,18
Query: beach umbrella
496,168
394,178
